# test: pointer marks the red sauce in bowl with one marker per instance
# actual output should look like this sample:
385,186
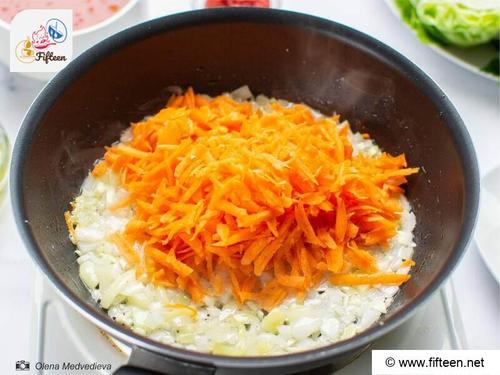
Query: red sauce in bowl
85,12
236,3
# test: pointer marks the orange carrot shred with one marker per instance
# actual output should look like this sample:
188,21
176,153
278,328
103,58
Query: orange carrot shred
368,279
70,225
126,248
305,225
99,169
192,311
408,263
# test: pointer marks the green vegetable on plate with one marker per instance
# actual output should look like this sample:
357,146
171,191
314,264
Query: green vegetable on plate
458,23
463,23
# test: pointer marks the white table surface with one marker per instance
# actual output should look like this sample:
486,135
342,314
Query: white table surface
476,99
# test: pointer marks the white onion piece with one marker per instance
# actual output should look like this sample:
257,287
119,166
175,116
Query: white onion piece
116,287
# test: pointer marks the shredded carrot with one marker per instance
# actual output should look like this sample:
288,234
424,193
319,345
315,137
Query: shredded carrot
70,225
368,279
125,248
120,204
192,311
223,192
99,169
408,263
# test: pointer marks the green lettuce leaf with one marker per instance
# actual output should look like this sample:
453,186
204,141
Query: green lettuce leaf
462,23
409,15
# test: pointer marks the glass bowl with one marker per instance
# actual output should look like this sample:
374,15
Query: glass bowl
200,4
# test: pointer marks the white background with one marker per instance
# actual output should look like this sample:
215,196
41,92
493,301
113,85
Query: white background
476,99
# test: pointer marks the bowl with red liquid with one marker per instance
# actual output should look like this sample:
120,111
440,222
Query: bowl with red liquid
199,4
93,20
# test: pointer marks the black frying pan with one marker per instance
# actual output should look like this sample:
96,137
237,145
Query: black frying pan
281,54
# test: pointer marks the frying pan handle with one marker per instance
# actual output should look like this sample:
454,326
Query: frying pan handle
130,370
143,362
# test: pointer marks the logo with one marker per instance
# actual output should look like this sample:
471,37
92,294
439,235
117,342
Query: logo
57,30
24,51
46,43
22,366
40,38
28,51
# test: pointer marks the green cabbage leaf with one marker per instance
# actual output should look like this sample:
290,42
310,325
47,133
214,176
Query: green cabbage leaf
463,23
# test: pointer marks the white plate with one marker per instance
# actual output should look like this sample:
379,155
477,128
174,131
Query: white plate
473,59
488,224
